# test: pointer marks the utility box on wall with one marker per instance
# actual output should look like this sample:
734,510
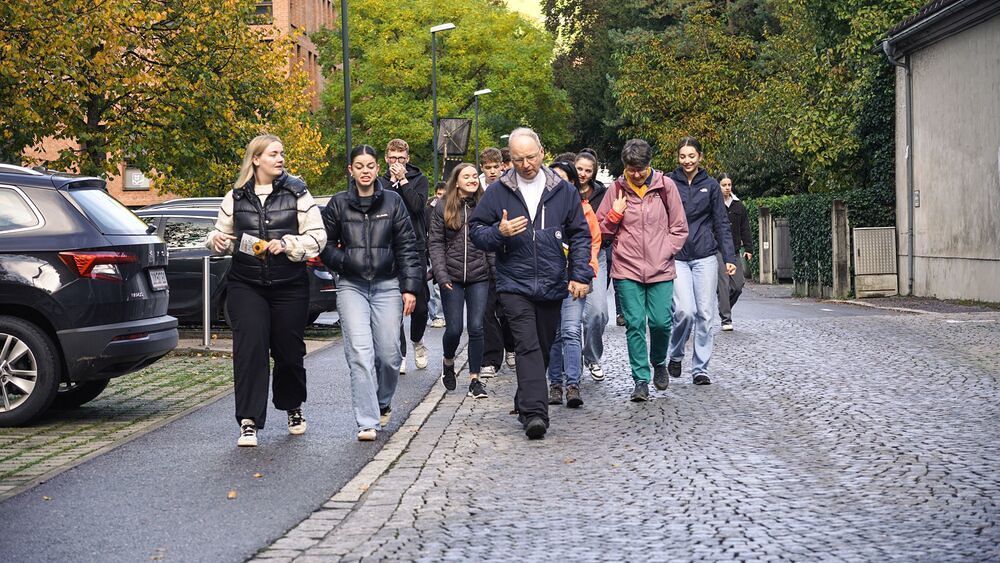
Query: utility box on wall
875,262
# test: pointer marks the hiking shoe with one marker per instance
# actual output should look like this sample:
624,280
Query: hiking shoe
555,394
596,372
487,372
420,355
620,320
535,428
384,414
437,323
448,377
367,435
641,392
674,368
477,389
702,379
511,360
727,327
660,379
296,422
402,366
248,434
573,399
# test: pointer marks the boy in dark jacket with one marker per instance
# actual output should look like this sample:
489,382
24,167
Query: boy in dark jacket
731,287
526,218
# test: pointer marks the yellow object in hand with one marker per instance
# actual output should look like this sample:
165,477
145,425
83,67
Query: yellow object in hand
259,247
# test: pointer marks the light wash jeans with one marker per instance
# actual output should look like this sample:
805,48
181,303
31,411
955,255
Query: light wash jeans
564,357
370,316
695,309
434,309
595,313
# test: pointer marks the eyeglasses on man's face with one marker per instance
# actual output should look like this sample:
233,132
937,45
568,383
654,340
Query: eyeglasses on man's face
402,158
523,159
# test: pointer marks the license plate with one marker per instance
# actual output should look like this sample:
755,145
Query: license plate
158,279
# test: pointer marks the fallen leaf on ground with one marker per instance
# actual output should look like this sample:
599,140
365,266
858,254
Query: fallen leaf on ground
570,460
231,495
46,498
258,475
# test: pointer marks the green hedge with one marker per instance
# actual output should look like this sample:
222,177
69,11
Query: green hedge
809,226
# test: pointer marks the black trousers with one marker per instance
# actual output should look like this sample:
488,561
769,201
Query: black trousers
268,321
496,331
534,325
418,319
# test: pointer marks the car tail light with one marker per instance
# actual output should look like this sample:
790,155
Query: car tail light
315,263
134,336
98,265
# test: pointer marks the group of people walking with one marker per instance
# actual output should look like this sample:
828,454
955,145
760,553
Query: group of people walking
522,254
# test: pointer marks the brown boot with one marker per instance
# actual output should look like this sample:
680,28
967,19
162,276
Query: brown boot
555,394
573,399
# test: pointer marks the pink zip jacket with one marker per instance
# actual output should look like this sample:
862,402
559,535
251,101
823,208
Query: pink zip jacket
650,232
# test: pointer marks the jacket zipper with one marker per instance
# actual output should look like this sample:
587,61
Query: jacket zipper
368,252
465,248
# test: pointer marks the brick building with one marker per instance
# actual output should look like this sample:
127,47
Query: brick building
288,17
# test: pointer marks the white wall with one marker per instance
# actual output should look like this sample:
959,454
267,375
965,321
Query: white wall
956,164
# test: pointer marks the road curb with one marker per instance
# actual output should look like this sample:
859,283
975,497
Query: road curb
882,307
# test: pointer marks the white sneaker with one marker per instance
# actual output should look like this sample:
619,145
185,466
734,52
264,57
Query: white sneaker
728,327
402,366
487,372
510,360
296,422
437,323
420,355
367,435
248,434
596,372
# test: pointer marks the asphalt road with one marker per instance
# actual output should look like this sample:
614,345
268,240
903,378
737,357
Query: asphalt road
164,496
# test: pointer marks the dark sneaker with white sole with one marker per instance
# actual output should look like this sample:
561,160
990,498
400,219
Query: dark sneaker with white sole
477,390
296,422
641,392
702,379
248,434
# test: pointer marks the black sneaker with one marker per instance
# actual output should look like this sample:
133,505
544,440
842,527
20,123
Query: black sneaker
702,379
555,394
477,389
535,428
641,392
296,422
660,379
674,368
573,398
620,320
448,377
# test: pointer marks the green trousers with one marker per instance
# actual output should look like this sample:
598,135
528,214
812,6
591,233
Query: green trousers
646,304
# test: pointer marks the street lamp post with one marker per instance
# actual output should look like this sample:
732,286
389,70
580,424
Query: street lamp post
345,41
434,32
476,94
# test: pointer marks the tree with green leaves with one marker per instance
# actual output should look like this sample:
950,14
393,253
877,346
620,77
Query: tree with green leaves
174,87
490,47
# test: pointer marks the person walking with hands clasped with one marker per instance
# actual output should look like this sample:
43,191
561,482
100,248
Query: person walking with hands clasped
644,214
372,245
271,225
462,271
697,265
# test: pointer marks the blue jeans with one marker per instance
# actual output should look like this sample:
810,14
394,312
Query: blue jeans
564,357
434,305
595,313
454,301
694,310
370,316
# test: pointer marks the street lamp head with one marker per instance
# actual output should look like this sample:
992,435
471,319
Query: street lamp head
442,27
481,92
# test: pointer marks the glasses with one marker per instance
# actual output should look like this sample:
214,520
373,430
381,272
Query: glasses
391,159
521,160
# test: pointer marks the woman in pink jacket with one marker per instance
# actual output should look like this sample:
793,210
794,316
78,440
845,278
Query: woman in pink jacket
643,212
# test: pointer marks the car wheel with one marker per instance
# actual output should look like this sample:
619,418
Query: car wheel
72,394
28,374
313,317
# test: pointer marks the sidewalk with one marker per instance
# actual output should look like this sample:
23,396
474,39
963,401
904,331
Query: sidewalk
865,437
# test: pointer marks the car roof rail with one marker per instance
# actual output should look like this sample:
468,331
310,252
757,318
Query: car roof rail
15,169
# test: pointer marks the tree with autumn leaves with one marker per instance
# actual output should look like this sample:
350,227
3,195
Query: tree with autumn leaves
173,87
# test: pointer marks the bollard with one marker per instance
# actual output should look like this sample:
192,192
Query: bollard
206,301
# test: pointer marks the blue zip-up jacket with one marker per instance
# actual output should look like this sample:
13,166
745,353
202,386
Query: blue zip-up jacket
533,263
708,222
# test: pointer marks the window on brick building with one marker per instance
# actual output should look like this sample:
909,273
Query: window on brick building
264,12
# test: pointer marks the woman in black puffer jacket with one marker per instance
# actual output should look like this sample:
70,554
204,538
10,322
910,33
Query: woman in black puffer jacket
371,244
462,271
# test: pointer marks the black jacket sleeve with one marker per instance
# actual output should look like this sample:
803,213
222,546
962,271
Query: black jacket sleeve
746,236
404,249
437,245
332,255
414,194
720,225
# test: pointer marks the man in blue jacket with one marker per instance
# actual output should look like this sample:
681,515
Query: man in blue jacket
526,218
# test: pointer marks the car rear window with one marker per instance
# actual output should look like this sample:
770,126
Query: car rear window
110,216
15,211
187,232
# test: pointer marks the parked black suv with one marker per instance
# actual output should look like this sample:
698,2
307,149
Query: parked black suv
184,229
83,292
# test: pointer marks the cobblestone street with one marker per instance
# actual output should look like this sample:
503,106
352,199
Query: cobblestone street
865,437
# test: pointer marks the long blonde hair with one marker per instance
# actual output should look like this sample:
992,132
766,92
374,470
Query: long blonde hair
254,148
